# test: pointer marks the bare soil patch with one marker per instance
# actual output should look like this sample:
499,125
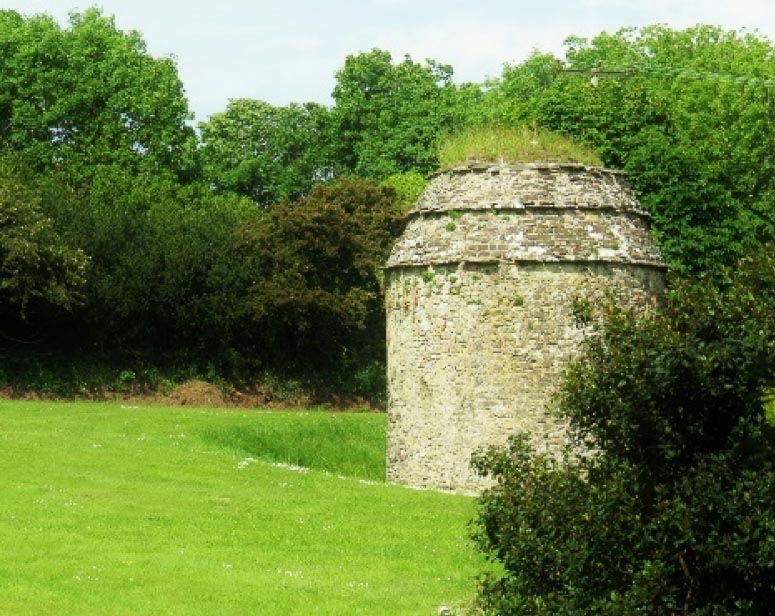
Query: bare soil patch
197,393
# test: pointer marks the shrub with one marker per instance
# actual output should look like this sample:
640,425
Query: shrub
408,187
673,512
36,264
316,298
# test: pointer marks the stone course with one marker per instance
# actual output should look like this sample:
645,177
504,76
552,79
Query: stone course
479,292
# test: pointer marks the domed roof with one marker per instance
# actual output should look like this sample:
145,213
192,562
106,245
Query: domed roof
547,212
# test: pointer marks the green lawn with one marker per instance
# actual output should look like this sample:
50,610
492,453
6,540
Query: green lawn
110,510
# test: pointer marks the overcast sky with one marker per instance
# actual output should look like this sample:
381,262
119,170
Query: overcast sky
284,52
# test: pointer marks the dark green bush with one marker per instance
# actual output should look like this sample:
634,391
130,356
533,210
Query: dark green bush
37,266
674,512
316,297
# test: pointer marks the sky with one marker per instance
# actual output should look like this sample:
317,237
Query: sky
289,51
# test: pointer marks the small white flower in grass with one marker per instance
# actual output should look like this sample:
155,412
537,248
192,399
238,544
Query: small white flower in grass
245,462
291,467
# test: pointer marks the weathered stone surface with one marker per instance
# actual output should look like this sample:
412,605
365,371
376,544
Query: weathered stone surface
479,299
514,186
534,234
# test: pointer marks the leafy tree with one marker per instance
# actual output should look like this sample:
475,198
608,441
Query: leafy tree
390,116
689,117
165,275
36,264
664,505
267,153
510,100
408,186
317,299
89,94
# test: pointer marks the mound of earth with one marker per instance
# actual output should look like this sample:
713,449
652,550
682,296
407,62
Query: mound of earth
198,393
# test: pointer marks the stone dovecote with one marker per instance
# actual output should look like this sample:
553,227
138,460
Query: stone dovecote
480,289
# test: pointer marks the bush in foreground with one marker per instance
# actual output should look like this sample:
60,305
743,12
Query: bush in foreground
675,512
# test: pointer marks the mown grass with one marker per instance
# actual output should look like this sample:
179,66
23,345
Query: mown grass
516,145
346,444
115,511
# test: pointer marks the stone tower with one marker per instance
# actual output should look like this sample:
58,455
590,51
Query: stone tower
480,293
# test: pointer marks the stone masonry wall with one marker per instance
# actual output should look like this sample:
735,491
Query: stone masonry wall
479,293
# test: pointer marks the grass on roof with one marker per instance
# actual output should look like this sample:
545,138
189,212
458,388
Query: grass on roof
513,145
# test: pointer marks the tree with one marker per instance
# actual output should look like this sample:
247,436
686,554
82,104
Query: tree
36,265
317,300
664,505
87,95
390,116
689,118
267,153
166,275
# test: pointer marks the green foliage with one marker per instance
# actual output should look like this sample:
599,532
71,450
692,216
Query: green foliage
164,267
389,116
522,145
665,502
408,186
316,296
89,94
36,264
74,373
267,153
135,230
690,118
565,540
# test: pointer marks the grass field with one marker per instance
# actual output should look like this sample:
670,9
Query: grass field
112,510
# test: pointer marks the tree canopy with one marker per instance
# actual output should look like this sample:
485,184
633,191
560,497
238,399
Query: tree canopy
389,117
689,117
145,237
267,153
36,264
316,295
76,97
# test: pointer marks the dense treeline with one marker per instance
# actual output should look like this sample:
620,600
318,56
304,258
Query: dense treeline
130,240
